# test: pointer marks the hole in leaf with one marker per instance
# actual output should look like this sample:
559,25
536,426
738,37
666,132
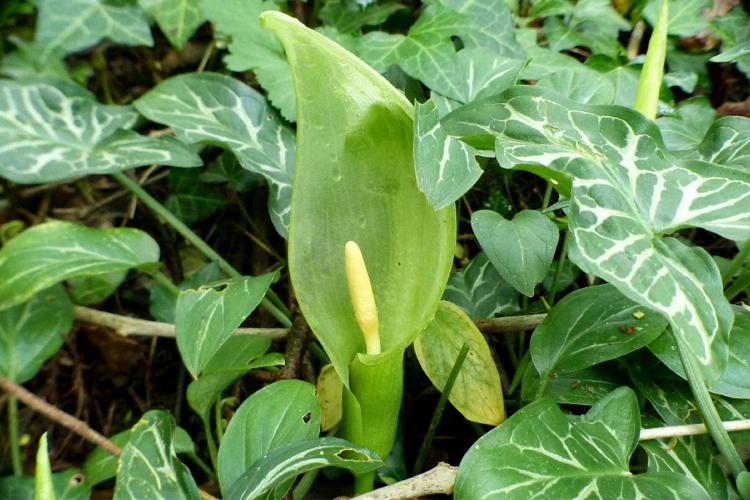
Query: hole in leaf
306,417
76,479
353,455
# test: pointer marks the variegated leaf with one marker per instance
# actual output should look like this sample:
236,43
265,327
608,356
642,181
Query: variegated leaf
445,167
53,132
77,24
540,452
627,192
52,252
216,109
271,475
727,142
480,290
149,467
694,457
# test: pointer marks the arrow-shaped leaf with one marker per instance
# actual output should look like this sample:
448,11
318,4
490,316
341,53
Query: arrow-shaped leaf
149,467
627,192
282,413
49,253
542,452
53,132
205,318
216,109
269,477
77,24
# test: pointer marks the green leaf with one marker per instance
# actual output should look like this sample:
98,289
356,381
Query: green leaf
282,413
727,142
580,84
692,456
101,465
477,392
590,23
78,24
590,326
253,48
521,249
347,17
190,199
49,253
480,291
178,19
32,332
627,192
50,133
216,109
489,25
163,302
427,52
445,167
205,318
229,363
734,54
542,451
685,16
43,487
88,290
584,387
735,380
30,61
687,127
149,467
355,180
270,476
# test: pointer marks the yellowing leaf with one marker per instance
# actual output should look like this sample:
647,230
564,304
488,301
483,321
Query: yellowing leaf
477,392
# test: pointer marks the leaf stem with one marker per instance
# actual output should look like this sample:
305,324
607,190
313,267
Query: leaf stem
212,451
270,303
737,262
708,410
738,286
164,281
15,446
559,269
437,415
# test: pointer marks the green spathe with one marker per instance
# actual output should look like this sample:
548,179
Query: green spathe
354,180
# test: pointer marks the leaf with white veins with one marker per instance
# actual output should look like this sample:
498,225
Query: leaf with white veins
627,192
73,25
54,132
215,109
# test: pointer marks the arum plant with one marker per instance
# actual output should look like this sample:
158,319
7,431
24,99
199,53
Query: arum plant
646,102
356,208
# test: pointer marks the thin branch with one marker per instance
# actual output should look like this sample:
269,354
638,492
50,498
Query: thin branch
126,326
436,481
56,415
673,431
